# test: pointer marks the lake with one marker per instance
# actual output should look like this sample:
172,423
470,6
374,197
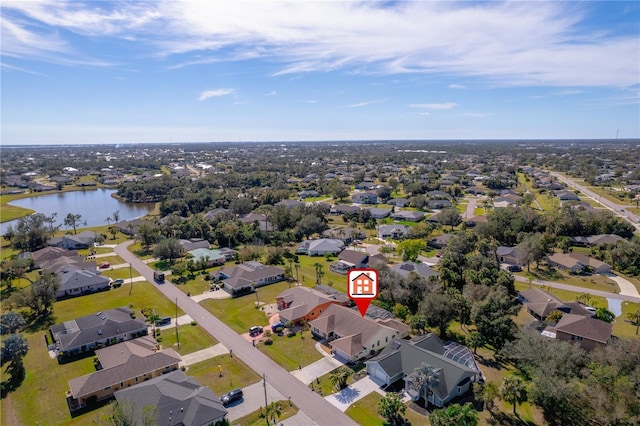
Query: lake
94,206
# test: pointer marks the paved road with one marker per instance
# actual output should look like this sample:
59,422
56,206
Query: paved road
616,208
471,206
579,289
313,405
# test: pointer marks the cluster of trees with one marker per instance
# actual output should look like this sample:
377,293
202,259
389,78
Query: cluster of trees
574,387
14,348
471,289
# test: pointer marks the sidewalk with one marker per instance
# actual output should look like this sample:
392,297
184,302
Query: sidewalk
216,294
347,396
204,354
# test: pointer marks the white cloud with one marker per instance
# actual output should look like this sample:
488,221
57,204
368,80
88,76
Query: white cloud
310,101
363,104
446,105
271,93
424,113
457,86
505,43
215,93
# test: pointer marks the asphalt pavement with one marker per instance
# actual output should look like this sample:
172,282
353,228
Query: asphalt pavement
313,405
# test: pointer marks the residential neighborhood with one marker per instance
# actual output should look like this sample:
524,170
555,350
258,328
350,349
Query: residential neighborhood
482,261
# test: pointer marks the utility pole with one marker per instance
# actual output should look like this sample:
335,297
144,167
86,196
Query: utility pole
177,337
130,280
264,384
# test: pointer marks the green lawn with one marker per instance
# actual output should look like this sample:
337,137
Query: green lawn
143,295
256,418
136,248
9,212
112,260
40,399
192,338
622,327
308,272
123,273
235,374
365,412
588,282
291,352
565,295
238,313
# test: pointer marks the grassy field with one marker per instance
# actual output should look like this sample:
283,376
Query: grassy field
240,313
9,212
235,374
123,273
622,327
291,352
565,295
588,282
143,295
192,338
256,418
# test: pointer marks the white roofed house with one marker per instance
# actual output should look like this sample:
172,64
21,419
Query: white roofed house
76,282
320,247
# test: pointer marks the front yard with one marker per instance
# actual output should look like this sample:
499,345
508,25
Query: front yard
192,338
235,374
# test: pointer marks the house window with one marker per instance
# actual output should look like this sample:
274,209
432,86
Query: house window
386,339
378,343
459,389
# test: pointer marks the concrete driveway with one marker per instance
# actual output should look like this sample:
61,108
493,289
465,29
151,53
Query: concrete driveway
347,396
626,287
253,400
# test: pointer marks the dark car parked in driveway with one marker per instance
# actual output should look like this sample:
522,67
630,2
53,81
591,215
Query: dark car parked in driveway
514,268
231,396
255,330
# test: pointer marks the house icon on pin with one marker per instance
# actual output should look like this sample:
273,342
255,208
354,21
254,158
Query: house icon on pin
362,285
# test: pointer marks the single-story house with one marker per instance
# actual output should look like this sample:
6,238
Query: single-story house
507,200
212,214
339,209
509,255
366,186
440,241
351,336
194,243
130,227
56,265
82,240
378,213
176,397
438,195
394,232
438,204
406,268
76,282
567,196
308,194
121,366
365,198
243,278
452,363
305,304
87,333
408,216
320,247
398,202
48,253
213,256
564,261
289,203
578,263
347,235
596,240
540,304
350,259
589,332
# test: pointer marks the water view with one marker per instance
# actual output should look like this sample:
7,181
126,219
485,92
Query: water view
94,207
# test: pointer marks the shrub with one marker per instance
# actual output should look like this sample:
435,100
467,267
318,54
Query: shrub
194,322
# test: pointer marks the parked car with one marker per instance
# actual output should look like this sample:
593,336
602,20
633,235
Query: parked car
158,276
276,327
255,330
514,268
117,283
105,265
231,396
164,321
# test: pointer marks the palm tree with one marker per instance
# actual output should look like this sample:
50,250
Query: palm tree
391,408
116,216
455,414
426,378
153,319
274,410
634,317
514,391
339,377
297,266
319,273
108,220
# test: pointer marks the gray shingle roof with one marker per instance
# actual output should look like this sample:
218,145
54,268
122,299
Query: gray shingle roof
177,397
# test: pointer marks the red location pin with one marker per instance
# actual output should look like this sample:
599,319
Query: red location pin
363,287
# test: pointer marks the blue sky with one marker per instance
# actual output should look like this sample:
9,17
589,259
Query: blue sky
196,71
